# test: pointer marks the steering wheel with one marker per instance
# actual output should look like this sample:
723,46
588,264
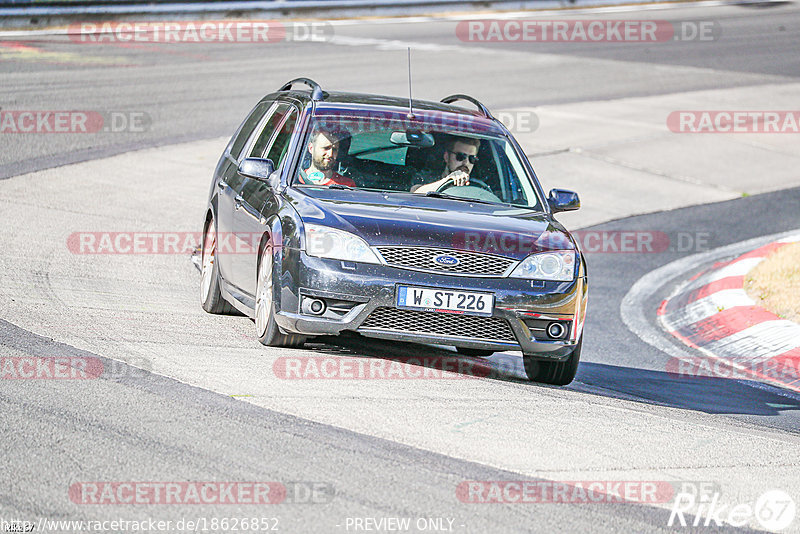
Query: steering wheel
449,184
473,192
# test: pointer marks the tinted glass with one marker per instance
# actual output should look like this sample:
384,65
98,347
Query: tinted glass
277,152
267,129
426,154
246,129
255,192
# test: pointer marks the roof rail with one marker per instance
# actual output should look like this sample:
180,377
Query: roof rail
483,109
316,90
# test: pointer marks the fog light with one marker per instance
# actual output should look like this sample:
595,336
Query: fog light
556,330
313,306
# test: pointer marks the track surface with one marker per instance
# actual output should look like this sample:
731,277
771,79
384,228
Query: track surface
382,448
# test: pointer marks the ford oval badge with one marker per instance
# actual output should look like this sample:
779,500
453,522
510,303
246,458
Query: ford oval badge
444,259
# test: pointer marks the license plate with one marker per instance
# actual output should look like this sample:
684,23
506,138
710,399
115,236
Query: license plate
445,300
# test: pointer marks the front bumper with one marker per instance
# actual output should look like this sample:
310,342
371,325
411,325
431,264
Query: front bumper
360,289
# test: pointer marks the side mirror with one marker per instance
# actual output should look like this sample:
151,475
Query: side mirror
257,169
563,200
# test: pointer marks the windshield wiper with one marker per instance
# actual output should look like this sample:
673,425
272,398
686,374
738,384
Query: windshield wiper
436,194
340,186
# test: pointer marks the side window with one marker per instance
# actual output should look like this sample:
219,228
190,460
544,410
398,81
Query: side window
246,129
268,127
280,145
255,192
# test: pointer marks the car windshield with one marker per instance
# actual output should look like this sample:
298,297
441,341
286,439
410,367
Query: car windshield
434,153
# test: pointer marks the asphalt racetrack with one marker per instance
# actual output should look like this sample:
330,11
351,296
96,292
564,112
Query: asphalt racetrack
188,398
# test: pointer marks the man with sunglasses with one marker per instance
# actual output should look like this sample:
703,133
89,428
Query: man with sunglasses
460,156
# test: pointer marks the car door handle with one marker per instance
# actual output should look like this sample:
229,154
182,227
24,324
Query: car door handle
237,201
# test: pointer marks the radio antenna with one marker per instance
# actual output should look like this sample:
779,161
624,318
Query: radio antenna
410,106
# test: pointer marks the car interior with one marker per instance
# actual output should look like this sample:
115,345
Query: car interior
376,160
400,168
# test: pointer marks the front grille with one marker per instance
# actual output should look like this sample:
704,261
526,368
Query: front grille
469,263
440,324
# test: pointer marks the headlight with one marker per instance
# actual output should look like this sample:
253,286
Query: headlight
558,266
325,242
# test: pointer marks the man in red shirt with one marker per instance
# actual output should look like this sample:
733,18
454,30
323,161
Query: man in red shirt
324,149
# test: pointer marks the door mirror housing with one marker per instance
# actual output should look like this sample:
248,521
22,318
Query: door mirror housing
257,169
563,200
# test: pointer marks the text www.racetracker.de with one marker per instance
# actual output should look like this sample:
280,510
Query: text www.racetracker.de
195,524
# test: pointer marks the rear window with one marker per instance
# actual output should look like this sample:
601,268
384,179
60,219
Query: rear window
377,146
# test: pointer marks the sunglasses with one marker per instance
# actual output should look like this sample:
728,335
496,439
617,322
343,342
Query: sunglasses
461,156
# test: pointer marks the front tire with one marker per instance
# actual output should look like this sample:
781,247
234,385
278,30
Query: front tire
555,373
266,328
210,296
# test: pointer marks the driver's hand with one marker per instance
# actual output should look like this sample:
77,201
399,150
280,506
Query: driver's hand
459,178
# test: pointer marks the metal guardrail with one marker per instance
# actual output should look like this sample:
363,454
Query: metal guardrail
41,13
56,3
233,3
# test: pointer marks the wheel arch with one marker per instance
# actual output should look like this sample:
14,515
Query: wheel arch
211,213
272,234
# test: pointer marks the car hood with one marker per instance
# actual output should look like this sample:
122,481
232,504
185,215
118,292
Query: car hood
406,219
